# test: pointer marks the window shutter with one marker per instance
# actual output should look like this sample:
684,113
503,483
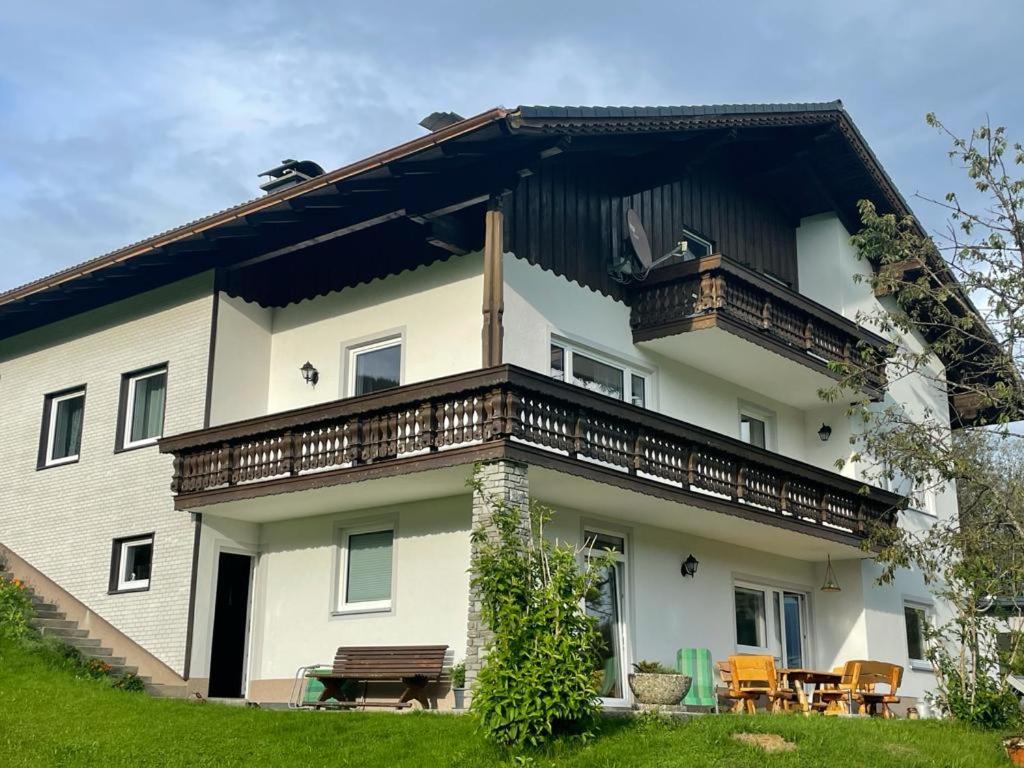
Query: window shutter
369,567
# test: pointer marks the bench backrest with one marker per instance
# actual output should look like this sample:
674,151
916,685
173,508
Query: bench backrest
389,662
863,676
753,672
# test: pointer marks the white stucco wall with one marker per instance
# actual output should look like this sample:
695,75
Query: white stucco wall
63,519
241,372
436,309
296,574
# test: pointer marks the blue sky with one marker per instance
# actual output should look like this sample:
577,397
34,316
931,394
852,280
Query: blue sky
120,120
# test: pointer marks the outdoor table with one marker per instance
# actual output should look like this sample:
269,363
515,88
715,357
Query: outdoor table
799,678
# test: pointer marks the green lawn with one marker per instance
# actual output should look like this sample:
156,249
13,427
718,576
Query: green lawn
50,718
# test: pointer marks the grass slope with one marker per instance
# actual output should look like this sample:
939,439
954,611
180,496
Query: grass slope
49,718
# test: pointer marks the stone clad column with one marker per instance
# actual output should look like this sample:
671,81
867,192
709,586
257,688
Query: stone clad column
501,481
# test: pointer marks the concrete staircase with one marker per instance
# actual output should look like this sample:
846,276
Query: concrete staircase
51,621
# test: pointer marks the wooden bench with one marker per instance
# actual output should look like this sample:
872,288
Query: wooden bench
413,665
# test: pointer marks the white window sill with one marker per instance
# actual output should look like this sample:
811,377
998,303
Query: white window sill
920,666
362,610
141,443
59,462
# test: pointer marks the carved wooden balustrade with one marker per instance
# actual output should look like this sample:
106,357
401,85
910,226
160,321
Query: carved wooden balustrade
512,412
717,292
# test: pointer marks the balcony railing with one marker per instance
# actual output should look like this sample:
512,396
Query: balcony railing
717,292
511,412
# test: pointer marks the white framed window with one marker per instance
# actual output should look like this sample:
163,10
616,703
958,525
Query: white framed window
131,563
366,568
61,440
773,621
607,605
756,426
916,616
599,373
143,403
375,366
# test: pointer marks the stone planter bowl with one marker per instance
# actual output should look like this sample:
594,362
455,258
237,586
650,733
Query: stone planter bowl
659,689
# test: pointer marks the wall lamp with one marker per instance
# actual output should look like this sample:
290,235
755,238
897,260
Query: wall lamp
689,567
310,375
825,432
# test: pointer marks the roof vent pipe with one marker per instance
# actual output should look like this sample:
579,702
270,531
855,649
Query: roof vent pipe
288,174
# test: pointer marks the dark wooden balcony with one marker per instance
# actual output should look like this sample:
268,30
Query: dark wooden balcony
715,292
509,412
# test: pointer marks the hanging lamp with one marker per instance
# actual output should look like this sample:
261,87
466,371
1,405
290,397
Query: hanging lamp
830,585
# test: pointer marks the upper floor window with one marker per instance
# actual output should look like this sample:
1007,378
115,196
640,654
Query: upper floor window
756,426
693,246
608,377
141,414
61,438
375,366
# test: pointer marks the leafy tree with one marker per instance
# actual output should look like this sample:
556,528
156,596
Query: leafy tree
537,677
953,306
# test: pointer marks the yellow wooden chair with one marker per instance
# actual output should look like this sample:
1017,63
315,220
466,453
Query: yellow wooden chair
863,679
754,677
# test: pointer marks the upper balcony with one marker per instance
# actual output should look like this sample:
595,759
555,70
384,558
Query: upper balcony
723,318
510,412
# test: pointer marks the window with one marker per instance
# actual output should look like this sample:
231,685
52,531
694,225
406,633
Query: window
141,414
61,438
367,566
916,620
771,620
606,604
131,563
599,375
750,618
693,246
757,426
375,366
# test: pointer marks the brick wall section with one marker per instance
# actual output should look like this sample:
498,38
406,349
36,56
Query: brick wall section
501,480
63,519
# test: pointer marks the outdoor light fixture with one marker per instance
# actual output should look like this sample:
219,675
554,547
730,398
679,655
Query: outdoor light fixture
310,375
830,585
825,432
689,566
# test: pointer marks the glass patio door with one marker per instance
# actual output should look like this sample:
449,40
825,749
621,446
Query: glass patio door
772,621
607,606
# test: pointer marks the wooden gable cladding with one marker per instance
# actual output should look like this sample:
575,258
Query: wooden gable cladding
569,216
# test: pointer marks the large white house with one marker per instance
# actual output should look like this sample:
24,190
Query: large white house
233,447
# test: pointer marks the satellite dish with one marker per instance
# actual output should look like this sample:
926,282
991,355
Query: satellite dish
638,237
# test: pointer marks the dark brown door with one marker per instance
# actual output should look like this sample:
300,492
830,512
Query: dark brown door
227,655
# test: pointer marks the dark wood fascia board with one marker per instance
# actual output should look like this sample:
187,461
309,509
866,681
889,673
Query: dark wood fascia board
490,451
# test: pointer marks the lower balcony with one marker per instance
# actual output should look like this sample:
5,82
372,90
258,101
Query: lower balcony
725,319
513,413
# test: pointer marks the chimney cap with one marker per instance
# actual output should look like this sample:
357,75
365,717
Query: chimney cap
289,173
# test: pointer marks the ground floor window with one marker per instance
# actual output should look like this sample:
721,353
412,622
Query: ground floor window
773,621
366,569
607,606
131,563
915,617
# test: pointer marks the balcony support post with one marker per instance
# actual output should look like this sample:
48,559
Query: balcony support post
494,284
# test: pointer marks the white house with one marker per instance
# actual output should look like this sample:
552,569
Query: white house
233,447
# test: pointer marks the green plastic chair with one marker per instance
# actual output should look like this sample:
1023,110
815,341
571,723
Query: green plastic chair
696,662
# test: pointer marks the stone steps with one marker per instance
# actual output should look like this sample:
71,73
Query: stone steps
52,622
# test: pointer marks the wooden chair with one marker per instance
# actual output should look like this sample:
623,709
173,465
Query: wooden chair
724,691
414,665
863,677
754,677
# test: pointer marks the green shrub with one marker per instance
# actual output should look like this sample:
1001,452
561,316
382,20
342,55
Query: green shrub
15,608
977,696
537,677
129,682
